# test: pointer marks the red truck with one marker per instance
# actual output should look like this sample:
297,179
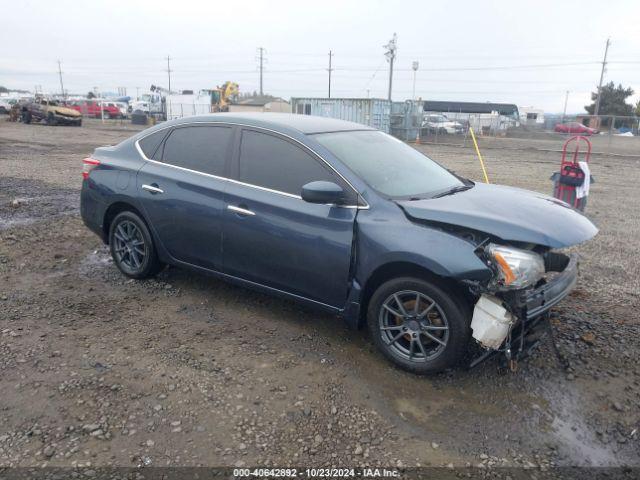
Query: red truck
575,127
94,108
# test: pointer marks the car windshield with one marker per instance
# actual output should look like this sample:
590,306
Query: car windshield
388,165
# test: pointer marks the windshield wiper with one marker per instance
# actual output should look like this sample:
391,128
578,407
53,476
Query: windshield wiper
451,191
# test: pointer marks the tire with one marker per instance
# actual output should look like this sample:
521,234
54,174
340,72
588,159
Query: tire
51,119
132,247
447,318
26,117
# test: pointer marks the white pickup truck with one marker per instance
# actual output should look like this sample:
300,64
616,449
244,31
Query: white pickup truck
439,123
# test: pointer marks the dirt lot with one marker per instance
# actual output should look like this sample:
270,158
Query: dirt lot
99,370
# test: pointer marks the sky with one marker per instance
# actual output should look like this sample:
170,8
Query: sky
525,52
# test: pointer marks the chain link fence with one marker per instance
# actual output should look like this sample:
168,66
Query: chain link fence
609,134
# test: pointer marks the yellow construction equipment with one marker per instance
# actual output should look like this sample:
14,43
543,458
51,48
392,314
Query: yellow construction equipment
223,95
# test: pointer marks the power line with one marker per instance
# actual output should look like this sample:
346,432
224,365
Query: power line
604,65
483,68
366,87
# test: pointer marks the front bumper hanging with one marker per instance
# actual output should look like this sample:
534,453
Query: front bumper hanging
531,308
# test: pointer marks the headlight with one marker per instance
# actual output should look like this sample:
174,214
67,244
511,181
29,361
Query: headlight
517,268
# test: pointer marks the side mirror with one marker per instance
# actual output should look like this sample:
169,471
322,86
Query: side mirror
323,192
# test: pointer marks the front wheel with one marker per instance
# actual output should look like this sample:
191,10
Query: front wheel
419,326
132,246
51,119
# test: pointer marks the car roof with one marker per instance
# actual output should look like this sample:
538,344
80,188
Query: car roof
306,124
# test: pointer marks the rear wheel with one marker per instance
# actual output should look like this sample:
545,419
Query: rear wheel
417,325
132,246
26,117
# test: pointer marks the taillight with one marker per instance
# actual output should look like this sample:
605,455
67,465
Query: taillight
88,164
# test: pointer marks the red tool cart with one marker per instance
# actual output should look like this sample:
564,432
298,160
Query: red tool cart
571,183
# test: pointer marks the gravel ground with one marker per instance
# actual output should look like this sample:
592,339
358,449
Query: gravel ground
98,370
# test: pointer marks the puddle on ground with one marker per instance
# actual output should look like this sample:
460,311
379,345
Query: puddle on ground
96,260
570,429
24,202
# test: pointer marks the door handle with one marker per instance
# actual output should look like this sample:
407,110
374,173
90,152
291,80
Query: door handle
152,189
241,211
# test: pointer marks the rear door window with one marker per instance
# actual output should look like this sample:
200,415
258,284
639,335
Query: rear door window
272,162
149,144
202,148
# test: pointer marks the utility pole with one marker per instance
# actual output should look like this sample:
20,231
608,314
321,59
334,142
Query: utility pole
330,70
168,102
604,64
169,71
60,74
261,60
414,66
564,111
391,56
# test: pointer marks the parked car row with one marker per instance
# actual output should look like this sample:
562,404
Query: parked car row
59,112
51,111
98,108
439,123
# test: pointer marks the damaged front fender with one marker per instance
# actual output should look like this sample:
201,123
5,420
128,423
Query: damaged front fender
381,242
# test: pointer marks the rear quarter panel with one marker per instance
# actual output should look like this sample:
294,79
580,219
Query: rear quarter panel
114,180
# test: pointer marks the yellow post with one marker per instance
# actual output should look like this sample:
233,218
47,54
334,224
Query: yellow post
475,144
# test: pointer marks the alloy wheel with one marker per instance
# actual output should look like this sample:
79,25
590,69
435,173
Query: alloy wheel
129,246
413,326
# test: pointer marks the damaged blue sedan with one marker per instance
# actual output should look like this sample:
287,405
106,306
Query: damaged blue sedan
344,218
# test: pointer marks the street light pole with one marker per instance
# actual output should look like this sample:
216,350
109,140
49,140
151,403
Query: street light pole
414,66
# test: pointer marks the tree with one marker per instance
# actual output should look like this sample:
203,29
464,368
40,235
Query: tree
91,95
638,109
612,102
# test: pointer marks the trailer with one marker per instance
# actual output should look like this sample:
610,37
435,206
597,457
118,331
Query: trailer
373,112
185,105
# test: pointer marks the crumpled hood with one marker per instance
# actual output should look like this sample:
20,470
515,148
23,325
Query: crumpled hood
511,214
70,112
